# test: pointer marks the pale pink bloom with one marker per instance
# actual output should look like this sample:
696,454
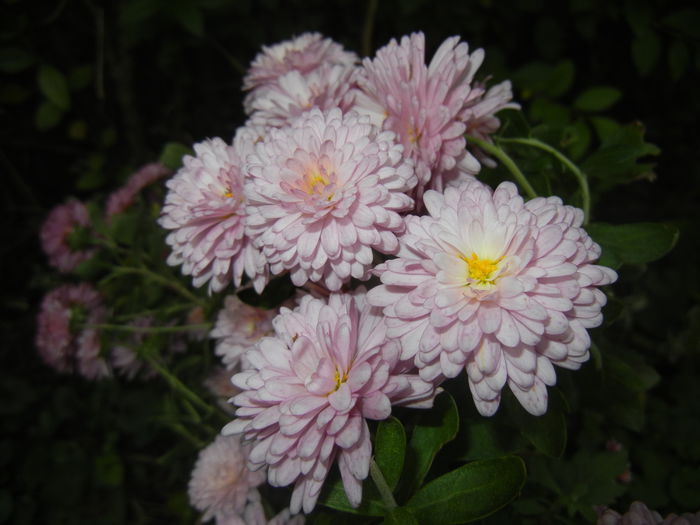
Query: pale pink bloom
238,327
62,339
310,388
124,356
304,54
218,383
323,193
205,209
62,221
294,93
500,287
431,107
221,484
122,198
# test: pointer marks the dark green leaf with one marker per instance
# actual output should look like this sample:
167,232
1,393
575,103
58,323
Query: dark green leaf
597,99
548,112
47,115
333,496
577,138
561,78
53,86
172,154
678,59
80,77
634,374
14,59
605,127
645,50
470,492
400,516
109,471
389,450
189,16
685,21
433,429
486,438
633,243
547,432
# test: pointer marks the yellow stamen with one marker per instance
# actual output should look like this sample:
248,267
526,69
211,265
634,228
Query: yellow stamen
412,136
228,194
481,270
339,380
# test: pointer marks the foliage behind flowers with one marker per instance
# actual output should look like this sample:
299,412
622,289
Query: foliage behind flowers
368,406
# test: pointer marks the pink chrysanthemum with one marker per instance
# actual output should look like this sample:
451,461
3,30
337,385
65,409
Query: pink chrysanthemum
304,54
323,193
430,108
124,197
238,327
221,484
294,93
499,286
205,209
310,388
62,340
56,231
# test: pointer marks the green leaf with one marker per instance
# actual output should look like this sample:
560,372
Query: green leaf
549,112
172,154
54,86
486,438
547,432
561,78
605,127
433,429
109,470
400,516
633,374
47,116
333,496
390,449
189,16
685,21
633,243
14,59
645,49
470,492
597,99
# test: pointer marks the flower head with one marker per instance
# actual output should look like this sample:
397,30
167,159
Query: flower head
58,231
310,388
122,198
63,341
205,209
323,193
304,54
500,287
430,107
220,484
238,327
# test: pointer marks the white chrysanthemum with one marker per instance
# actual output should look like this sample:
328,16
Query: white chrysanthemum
500,287
323,193
205,209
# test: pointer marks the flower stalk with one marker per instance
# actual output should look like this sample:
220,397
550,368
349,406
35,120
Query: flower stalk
382,485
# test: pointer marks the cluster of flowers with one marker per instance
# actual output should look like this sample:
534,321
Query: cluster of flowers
640,514
68,335
339,161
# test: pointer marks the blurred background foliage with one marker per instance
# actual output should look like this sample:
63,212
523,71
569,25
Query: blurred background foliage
90,90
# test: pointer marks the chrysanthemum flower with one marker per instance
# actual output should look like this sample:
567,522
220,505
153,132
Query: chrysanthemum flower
499,286
323,193
304,54
238,327
62,223
62,339
430,107
205,209
310,388
124,197
221,484
294,93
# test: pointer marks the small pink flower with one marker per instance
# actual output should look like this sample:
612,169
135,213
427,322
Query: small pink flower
323,193
500,287
124,197
205,211
221,485
62,221
305,400
431,107
64,338
238,327
304,54
124,356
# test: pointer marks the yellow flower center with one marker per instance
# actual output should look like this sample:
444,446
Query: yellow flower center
481,270
414,137
228,194
339,380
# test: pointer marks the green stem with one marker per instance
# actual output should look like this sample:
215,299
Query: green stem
368,27
178,385
580,176
382,486
152,329
162,280
501,155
